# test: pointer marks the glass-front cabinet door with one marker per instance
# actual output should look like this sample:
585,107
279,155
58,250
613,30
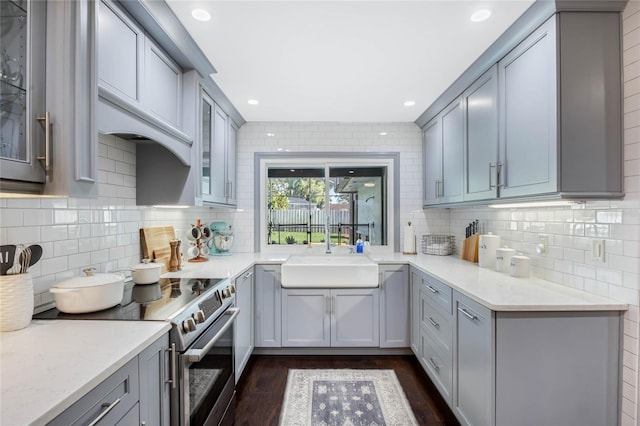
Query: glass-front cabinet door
22,90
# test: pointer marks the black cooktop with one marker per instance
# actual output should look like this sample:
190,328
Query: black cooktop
155,302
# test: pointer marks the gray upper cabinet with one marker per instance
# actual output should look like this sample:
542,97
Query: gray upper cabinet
542,122
432,161
218,140
163,84
120,44
481,137
49,146
443,155
528,142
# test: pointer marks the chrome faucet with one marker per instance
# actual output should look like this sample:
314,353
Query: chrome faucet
327,236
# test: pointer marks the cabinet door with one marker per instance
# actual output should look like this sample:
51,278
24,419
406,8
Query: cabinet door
452,153
219,182
528,122
155,391
267,308
163,80
23,90
432,161
232,147
481,137
394,301
355,317
305,317
243,325
474,390
416,284
120,52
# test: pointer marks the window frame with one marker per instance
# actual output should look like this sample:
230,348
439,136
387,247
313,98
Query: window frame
263,160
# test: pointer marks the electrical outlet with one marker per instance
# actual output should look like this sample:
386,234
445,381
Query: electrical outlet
597,249
543,243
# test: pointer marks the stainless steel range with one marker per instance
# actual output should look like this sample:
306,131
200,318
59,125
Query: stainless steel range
202,368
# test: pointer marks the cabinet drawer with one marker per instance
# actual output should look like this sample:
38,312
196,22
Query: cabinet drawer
437,364
439,293
438,325
118,394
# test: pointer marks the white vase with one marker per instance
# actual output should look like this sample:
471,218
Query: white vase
16,301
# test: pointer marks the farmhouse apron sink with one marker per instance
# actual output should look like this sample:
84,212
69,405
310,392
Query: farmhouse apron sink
329,271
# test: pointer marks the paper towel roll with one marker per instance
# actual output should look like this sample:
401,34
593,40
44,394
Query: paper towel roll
409,241
487,250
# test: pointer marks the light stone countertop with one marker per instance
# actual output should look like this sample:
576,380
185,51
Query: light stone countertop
497,291
51,364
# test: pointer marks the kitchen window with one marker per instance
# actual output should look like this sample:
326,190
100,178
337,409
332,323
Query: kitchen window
303,193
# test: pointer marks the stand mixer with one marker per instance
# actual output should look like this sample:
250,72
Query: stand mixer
221,240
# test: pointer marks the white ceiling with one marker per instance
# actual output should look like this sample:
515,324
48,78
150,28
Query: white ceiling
345,61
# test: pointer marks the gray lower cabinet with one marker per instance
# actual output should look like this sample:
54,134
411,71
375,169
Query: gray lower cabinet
136,394
244,323
474,372
267,320
155,386
507,368
330,317
394,299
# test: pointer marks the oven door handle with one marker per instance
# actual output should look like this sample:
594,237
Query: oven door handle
196,355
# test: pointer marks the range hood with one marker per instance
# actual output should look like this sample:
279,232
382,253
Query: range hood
117,116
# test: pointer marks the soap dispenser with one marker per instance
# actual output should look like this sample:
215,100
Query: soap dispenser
359,245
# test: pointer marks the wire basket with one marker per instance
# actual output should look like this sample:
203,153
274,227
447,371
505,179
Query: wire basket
440,245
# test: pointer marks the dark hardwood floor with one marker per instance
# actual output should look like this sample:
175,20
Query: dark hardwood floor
260,392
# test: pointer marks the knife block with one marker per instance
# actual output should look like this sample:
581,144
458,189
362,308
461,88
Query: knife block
470,248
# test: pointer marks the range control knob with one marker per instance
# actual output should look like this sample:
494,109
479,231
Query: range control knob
199,317
232,288
189,325
226,293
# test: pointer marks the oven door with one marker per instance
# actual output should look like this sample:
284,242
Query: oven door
207,387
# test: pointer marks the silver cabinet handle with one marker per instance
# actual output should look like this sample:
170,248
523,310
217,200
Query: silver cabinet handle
328,302
433,364
248,275
498,167
467,314
333,304
108,407
47,141
433,323
491,166
433,290
174,368
436,188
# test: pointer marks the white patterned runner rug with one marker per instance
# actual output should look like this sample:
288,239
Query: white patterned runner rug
345,398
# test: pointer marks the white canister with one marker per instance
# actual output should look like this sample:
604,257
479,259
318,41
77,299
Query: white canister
520,266
487,247
503,259
16,301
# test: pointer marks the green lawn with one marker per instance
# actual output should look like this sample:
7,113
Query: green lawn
301,237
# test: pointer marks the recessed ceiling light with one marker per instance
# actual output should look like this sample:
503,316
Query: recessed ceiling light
351,172
480,15
409,103
201,15
252,102
383,133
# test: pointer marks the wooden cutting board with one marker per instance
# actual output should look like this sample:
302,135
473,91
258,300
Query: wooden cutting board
154,244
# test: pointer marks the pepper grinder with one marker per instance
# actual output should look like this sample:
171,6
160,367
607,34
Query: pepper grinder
174,261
